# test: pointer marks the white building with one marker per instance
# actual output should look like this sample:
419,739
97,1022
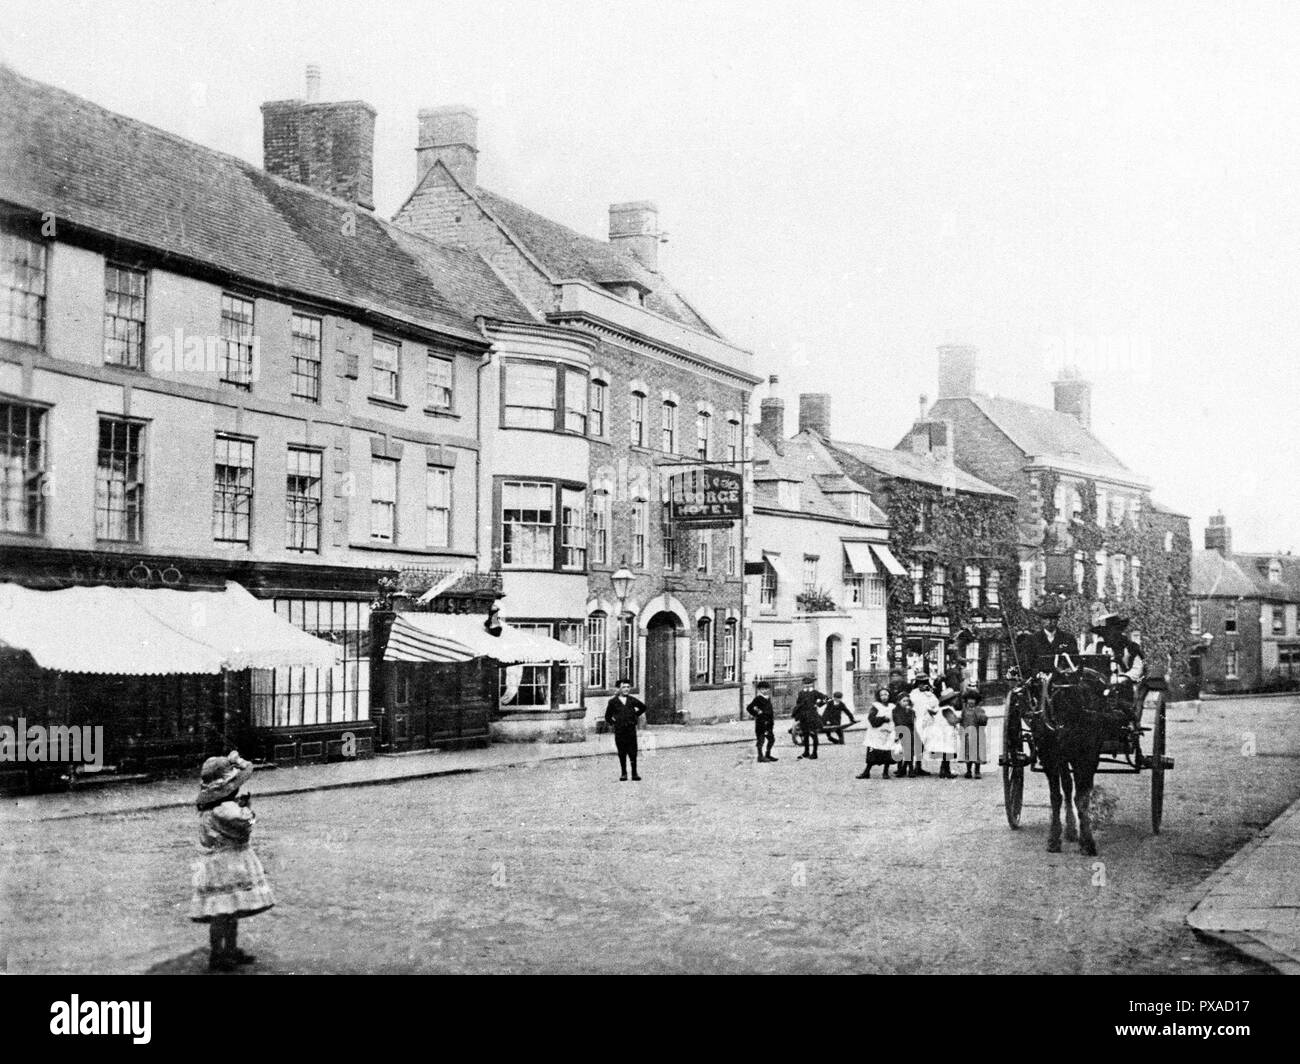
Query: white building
817,608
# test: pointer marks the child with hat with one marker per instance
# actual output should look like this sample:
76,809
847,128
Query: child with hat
229,881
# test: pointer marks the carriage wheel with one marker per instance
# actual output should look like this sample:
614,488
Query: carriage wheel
1157,763
1013,768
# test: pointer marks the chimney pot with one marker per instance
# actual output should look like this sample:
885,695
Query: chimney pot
815,413
771,420
313,83
448,133
328,146
1218,536
634,227
957,364
1072,395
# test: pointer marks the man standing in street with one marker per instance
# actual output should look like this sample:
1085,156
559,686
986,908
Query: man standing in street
808,715
760,708
621,714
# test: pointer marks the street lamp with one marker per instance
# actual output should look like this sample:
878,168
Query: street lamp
622,578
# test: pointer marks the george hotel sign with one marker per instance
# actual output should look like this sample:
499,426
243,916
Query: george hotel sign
705,496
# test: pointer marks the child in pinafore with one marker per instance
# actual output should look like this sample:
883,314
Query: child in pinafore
229,881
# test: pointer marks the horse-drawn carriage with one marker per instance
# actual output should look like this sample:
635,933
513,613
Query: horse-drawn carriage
1070,719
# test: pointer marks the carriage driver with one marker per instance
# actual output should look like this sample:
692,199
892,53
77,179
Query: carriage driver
1128,666
1048,642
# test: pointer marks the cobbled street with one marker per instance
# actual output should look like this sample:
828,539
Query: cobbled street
711,864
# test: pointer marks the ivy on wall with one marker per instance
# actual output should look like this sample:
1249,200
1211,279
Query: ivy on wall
960,529
1159,613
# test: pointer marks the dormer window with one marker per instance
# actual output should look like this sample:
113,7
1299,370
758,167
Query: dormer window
632,291
1274,571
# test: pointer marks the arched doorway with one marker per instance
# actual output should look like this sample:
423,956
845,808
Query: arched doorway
834,664
661,669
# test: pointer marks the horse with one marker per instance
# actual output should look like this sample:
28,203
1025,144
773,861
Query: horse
1068,729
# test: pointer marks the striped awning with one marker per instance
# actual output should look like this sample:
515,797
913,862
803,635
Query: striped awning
887,559
859,555
453,637
132,631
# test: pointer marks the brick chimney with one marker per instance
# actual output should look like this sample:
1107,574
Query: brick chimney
634,227
771,417
328,146
451,134
1218,536
815,413
957,371
1073,396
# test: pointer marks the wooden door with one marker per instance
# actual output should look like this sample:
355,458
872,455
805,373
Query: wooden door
661,670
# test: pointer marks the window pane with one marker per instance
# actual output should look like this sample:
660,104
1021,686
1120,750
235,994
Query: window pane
119,481
383,499
236,341
302,495
438,507
22,289
385,369
575,402
124,309
530,396
438,383
22,468
232,503
305,381
528,524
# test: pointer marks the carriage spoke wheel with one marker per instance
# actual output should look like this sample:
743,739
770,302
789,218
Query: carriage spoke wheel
1157,763
1013,768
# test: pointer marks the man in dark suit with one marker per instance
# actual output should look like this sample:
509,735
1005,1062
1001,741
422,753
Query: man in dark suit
621,714
1047,643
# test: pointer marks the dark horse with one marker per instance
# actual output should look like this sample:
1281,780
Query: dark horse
1068,728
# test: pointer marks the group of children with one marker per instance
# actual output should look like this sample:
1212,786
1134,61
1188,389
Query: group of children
907,725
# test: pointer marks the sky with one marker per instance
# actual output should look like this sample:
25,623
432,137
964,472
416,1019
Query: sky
846,185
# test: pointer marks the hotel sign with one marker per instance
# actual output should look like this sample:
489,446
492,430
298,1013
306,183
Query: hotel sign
705,496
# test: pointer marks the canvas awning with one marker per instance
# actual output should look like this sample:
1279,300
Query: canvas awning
131,631
892,565
859,555
452,637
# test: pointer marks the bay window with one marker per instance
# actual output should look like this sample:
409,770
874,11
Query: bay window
545,396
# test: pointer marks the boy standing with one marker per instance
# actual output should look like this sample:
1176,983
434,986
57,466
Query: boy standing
760,708
621,714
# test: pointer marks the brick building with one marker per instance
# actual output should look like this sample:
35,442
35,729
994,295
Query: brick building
663,391
1244,614
1088,526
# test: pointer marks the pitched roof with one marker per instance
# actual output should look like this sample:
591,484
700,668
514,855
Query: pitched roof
128,180
1046,433
1215,575
799,461
569,254
903,465
1256,566
1161,508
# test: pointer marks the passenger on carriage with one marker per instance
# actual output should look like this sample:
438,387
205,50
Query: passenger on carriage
1127,664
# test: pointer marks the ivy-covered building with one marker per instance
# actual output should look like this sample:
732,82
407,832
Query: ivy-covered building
1087,525
951,553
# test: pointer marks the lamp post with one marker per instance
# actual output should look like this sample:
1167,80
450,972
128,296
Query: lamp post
621,580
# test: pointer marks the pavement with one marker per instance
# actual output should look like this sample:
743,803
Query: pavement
113,799
1253,901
